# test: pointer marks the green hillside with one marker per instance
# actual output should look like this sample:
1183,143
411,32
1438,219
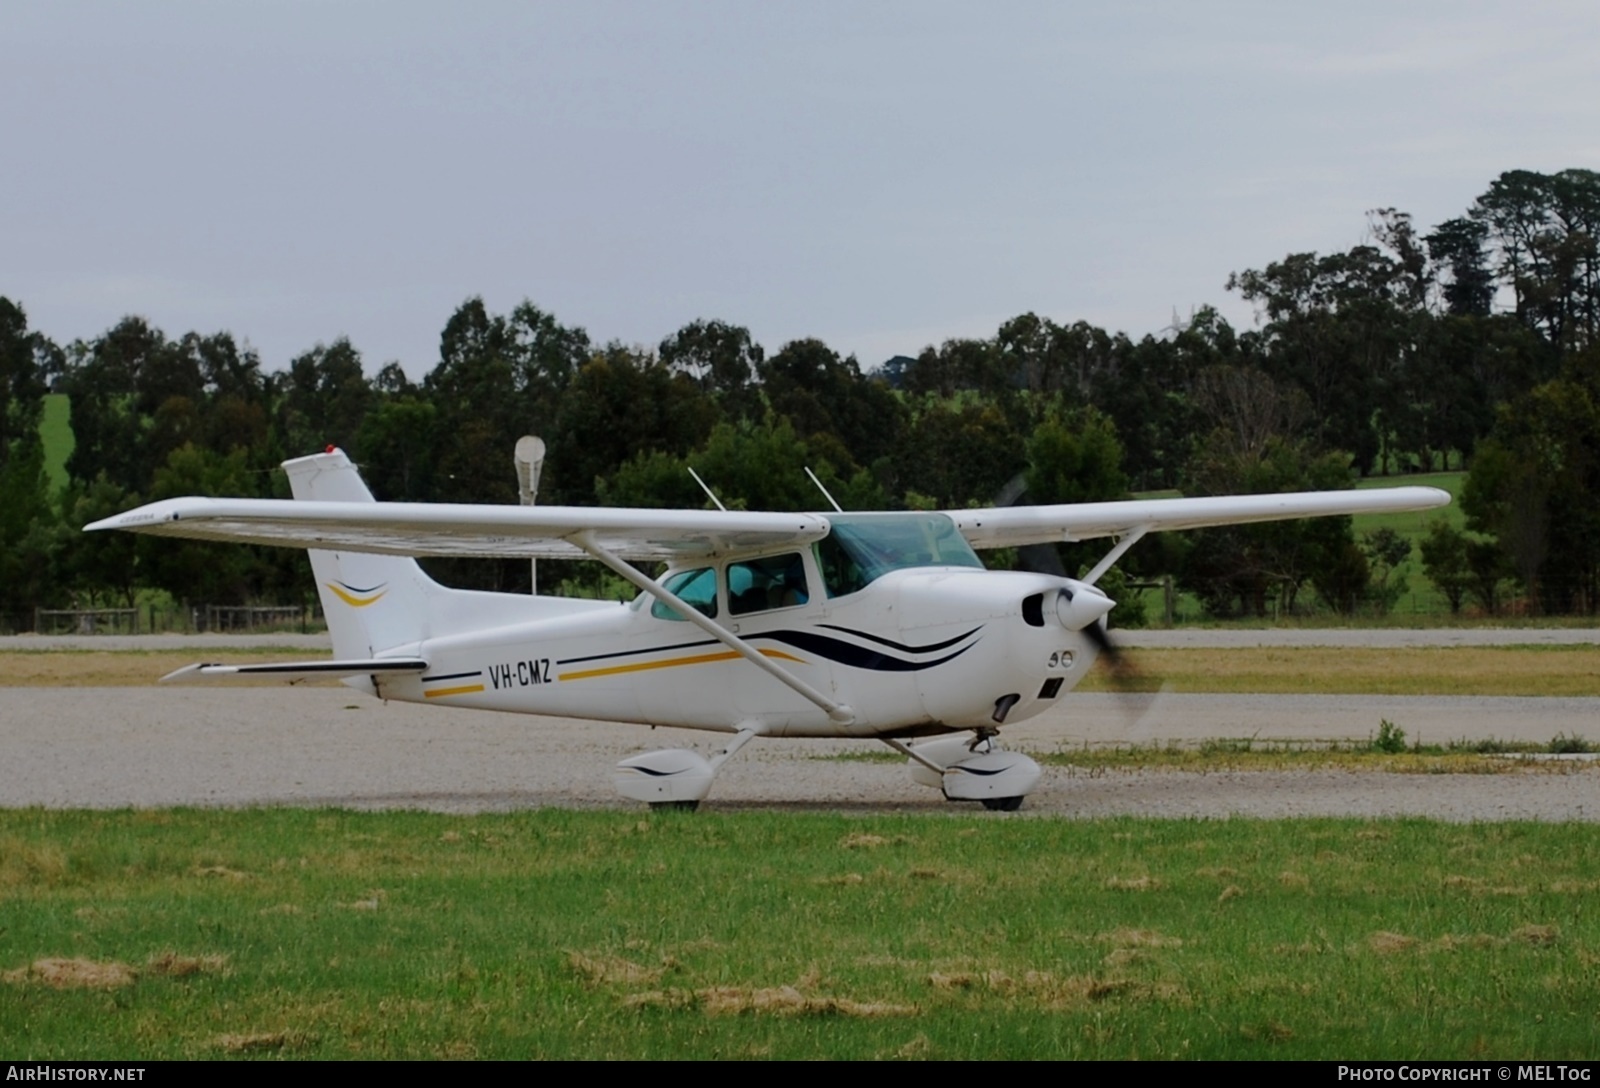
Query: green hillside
56,430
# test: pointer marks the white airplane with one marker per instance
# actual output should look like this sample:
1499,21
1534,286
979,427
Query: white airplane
872,625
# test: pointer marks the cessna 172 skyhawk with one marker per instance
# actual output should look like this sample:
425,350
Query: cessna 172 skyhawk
880,626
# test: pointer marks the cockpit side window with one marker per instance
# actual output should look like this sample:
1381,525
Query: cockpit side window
759,585
697,588
841,573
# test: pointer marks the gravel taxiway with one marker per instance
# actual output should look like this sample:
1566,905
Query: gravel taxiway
153,746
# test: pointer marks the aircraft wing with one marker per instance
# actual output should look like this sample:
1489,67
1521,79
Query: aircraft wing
461,529
1012,526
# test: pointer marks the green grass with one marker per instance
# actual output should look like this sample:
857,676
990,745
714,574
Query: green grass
1414,526
55,429
326,934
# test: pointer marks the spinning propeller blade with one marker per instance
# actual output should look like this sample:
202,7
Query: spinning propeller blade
1045,559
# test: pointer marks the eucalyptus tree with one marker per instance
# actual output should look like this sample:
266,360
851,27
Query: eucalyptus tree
720,358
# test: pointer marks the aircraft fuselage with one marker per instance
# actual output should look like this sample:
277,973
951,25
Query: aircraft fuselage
917,651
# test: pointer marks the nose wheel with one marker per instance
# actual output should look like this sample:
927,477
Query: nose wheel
965,768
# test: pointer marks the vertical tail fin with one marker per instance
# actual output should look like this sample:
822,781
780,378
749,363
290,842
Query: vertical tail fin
372,603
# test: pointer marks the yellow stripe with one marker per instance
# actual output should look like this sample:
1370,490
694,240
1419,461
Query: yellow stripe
353,602
672,662
467,690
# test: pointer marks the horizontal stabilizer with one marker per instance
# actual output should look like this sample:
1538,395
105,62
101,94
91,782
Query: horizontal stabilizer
295,671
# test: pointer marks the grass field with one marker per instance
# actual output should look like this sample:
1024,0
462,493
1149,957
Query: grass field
294,933
1455,670
1414,526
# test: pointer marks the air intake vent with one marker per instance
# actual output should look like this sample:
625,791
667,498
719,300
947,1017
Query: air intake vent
1033,610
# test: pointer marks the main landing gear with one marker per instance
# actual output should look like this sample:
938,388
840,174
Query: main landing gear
673,778
972,769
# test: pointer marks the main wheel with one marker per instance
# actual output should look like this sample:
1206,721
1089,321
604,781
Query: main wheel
1002,804
683,806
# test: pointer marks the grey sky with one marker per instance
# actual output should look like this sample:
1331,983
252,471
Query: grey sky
880,175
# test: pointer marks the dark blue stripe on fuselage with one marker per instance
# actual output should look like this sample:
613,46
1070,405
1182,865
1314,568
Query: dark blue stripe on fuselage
858,657
893,645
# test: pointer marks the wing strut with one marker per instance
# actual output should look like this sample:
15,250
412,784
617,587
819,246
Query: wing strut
1133,537
837,712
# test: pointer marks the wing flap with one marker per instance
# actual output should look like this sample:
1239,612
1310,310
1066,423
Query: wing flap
1013,526
295,671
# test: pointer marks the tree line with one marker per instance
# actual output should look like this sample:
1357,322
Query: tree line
1472,344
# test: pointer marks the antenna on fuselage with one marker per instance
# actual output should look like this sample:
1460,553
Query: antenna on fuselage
837,508
706,489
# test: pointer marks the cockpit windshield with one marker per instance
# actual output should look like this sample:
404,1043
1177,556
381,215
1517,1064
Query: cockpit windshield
861,548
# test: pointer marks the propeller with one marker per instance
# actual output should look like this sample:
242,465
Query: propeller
1044,559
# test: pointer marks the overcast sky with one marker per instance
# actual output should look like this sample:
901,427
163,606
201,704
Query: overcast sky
879,175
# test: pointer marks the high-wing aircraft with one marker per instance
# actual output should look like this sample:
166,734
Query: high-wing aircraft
873,625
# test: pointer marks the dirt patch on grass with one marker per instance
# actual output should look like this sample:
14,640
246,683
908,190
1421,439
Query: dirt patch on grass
73,974
1450,942
602,970
1053,991
176,965
862,840
1537,935
1388,943
1134,884
770,1001
1139,938
256,1041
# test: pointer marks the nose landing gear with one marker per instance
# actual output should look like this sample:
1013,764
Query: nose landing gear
972,769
